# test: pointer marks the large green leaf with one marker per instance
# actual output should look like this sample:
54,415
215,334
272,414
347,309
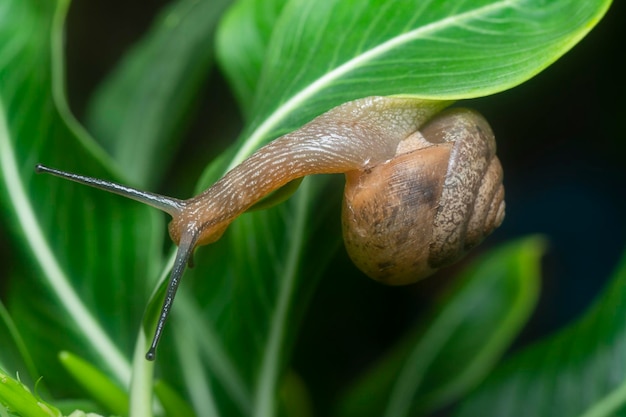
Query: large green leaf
141,108
458,343
578,372
82,245
322,54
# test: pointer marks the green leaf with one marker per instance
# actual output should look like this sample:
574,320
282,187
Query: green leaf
14,353
173,404
242,39
210,349
17,398
141,388
580,371
107,393
323,54
458,343
141,109
82,244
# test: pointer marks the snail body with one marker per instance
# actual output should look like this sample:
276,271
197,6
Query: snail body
421,187
353,136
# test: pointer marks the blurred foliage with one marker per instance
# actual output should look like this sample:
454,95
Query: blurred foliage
85,266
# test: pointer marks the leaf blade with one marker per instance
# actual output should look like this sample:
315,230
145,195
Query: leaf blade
578,371
241,43
140,110
108,394
65,288
55,274
413,57
456,344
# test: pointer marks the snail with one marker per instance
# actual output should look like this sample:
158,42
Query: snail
423,186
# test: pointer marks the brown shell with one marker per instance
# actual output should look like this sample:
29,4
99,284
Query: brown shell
425,208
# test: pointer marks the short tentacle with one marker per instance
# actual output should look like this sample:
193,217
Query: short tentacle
186,247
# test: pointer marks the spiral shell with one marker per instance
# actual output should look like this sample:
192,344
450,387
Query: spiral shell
441,195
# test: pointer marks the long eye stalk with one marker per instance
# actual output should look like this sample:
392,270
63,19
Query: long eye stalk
171,206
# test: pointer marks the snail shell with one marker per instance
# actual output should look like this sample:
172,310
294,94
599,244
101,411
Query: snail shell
437,198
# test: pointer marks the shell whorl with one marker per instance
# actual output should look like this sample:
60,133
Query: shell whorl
472,201
425,208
